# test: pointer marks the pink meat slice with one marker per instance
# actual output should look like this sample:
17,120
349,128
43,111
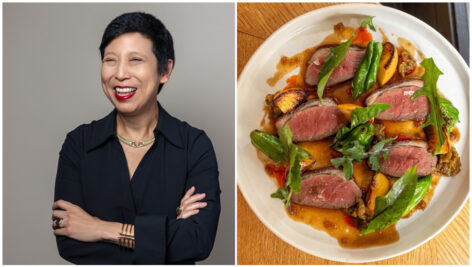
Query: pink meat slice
343,72
313,121
402,158
316,123
327,190
402,107
398,95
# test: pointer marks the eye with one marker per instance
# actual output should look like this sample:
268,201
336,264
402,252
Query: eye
136,59
108,60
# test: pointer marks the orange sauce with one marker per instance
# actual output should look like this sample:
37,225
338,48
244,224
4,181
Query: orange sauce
408,46
321,152
455,135
332,222
384,36
405,128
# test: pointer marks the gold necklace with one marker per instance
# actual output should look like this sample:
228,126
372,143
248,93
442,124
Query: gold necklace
133,144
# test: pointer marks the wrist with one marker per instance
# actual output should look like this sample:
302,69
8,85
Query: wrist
109,231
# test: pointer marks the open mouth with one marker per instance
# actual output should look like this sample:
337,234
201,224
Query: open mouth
124,93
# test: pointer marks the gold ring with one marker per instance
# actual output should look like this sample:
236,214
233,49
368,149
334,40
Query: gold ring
58,223
179,210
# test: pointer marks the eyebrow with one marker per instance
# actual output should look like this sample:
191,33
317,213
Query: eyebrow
131,53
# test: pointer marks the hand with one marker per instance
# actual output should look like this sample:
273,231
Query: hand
190,205
76,223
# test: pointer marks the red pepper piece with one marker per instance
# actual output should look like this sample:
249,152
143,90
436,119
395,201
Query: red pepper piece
411,71
349,91
277,172
349,220
402,138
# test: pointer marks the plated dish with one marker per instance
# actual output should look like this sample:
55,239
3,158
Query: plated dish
296,37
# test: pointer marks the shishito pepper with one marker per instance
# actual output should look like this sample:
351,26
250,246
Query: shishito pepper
272,146
358,82
269,145
367,72
374,66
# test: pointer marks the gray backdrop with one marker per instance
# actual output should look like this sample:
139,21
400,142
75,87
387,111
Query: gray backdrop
51,74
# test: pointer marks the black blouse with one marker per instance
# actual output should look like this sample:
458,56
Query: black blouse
93,174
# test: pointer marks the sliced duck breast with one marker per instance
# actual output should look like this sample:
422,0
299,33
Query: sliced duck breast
343,72
398,95
404,155
327,188
313,120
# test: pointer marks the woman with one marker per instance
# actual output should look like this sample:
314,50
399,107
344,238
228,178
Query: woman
121,178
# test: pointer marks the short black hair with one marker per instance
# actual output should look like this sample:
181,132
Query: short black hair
149,26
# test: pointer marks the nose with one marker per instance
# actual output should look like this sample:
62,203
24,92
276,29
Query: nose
122,73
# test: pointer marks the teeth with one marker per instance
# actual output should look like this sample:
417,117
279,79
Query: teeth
125,90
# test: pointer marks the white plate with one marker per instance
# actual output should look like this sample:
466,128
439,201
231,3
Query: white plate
307,31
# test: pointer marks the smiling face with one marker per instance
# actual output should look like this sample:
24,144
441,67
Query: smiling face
129,73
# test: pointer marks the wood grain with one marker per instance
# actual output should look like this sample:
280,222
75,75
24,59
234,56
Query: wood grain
256,243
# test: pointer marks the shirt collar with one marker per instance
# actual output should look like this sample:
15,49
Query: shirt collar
105,129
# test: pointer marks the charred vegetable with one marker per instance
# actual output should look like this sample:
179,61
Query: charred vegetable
288,100
407,63
388,63
379,187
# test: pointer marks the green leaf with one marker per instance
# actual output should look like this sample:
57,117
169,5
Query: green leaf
281,193
395,204
368,21
361,115
269,145
449,112
294,179
341,134
422,188
302,153
435,118
383,202
285,136
374,159
335,57
348,168
356,151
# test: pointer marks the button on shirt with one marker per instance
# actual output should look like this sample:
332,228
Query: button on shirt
93,174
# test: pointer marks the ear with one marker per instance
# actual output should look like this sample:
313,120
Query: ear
166,76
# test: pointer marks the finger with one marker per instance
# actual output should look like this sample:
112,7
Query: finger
187,214
62,204
189,193
63,224
59,214
193,199
60,231
196,205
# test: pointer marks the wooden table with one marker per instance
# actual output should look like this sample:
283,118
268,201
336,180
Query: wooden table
256,243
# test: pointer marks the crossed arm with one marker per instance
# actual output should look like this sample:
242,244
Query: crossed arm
79,225
85,239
